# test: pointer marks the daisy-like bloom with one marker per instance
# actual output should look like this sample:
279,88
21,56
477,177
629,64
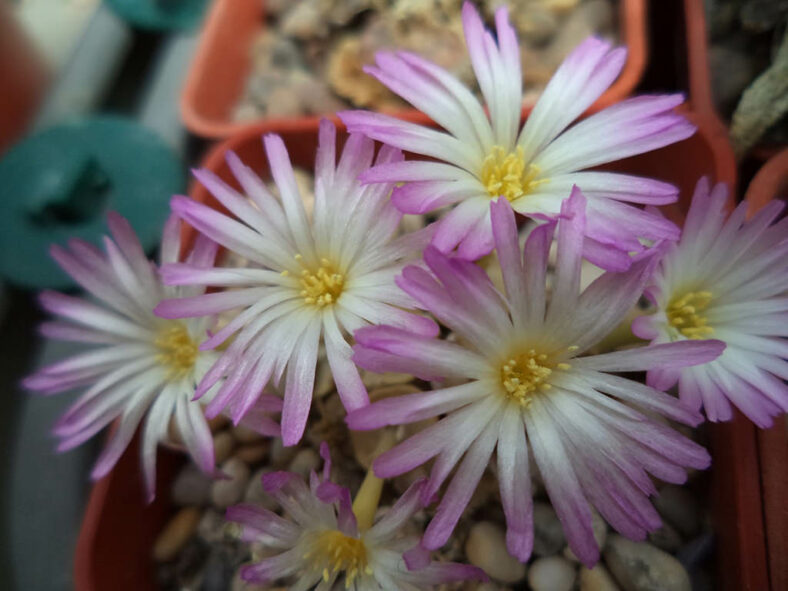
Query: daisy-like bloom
726,280
329,539
141,364
485,159
529,385
312,280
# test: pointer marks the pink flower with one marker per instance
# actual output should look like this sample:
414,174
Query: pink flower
310,280
530,386
142,367
534,168
727,280
327,539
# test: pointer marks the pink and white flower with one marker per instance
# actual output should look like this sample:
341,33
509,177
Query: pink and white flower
328,539
728,280
142,367
482,159
312,280
530,386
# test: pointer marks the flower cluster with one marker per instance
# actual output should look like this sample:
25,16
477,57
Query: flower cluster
519,373
330,538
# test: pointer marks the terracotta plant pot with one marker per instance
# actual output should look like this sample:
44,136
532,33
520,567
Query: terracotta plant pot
218,73
770,183
25,78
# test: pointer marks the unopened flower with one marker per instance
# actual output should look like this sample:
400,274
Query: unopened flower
142,366
529,385
311,280
327,539
534,168
726,280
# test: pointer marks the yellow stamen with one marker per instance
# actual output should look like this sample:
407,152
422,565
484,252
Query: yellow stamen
339,553
177,350
322,286
508,175
526,373
684,314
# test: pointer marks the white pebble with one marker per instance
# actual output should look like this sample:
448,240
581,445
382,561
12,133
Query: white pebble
552,573
486,548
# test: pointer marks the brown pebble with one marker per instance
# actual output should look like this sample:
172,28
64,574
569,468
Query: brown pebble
223,444
284,102
230,490
191,487
245,434
218,423
252,453
304,462
486,548
175,534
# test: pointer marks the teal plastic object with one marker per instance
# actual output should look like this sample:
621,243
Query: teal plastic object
60,183
160,15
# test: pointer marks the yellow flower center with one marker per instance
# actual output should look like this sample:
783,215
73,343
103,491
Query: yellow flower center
507,174
337,553
684,314
524,374
177,350
322,286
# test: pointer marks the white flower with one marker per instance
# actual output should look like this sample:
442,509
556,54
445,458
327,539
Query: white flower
726,280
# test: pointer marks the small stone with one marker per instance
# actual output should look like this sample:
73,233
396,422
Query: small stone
245,434
593,17
696,551
246,111
211,526
376,380
599,525
324,381
536,23
678,506
548,533
639,566
666,538
283,102
219,570
191,487
305,20
552,573
175,534
597,579
280,455
347,78
223,444
218,423
230,490
255,494
254,453
304,462
190,561
486,548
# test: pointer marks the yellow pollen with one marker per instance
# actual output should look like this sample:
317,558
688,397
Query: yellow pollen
527,373
684,314
336,553
508,175
321,286
177,350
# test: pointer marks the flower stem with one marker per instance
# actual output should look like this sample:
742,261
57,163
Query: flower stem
367,498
